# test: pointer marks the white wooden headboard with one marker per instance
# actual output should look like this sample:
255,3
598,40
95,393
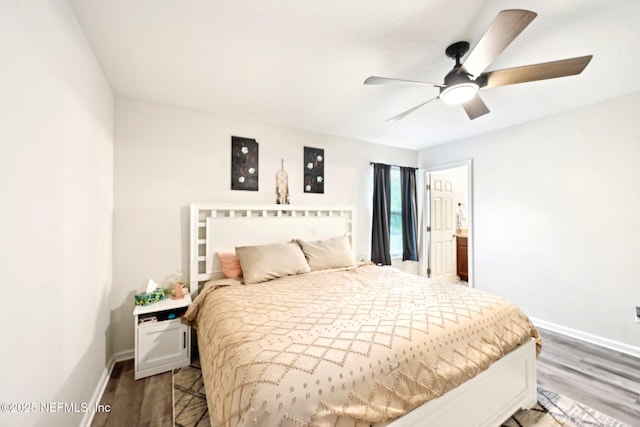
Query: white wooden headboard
220,228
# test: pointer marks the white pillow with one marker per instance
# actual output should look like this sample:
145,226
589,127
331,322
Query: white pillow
267,262
329,253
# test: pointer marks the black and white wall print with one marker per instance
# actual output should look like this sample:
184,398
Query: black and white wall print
313,170
244,164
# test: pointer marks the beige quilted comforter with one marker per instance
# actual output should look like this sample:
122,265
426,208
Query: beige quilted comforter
344,348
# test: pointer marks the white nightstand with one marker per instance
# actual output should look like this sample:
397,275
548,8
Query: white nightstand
163,344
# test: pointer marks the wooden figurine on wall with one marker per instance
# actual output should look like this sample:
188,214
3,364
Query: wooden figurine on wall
282,185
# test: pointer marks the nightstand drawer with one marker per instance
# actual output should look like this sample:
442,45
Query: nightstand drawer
162,343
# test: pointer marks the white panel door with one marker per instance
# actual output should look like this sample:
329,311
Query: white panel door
442,229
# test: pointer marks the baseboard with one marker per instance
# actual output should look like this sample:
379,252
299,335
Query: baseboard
590,338
123,355
87,419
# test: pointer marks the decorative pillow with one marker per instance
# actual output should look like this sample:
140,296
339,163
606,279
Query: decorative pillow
230,264
329,253
267,262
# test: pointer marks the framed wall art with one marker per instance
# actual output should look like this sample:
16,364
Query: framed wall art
244,164
313,170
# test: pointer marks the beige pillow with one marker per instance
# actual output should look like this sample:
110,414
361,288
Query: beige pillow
267,262
329,253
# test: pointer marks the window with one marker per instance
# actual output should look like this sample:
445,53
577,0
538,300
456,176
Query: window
395,241
393,223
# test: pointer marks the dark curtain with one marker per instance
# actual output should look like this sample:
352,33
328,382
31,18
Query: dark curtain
409,214
380,235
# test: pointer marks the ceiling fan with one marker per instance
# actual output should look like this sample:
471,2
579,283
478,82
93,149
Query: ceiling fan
462,83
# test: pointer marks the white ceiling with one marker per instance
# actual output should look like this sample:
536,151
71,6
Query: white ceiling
302,63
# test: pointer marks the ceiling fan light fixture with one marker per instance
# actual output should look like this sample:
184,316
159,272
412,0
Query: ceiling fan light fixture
459,93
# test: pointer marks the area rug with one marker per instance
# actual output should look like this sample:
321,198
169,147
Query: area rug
552,410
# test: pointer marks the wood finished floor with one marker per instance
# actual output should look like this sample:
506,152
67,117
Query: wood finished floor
600,378
603,379
147,402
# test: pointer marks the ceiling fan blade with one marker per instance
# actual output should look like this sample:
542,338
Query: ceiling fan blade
475,107
502,31
375,80
530,73
406,113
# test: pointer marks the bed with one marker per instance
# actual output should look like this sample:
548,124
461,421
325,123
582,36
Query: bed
350,345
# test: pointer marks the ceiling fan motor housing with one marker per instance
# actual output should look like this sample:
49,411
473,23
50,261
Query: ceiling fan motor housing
459,87
455,78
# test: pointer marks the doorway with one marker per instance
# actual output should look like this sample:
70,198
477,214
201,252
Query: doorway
447,230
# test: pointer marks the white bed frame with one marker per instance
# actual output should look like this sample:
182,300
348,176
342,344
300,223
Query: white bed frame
486,400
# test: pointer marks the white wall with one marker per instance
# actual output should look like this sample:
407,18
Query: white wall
555,207
167,157
56,181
